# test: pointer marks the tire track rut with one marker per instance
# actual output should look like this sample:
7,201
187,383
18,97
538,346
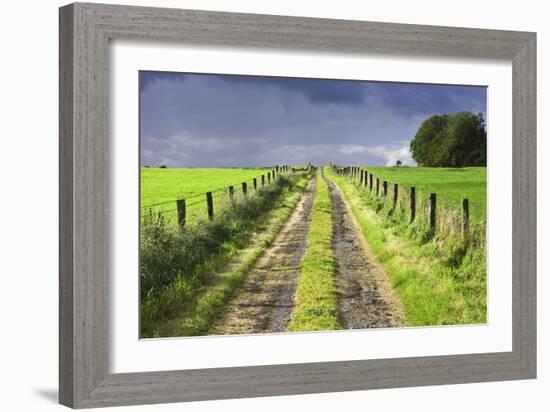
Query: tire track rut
266,299
365,297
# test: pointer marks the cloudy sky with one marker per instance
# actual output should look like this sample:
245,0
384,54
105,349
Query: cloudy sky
201,120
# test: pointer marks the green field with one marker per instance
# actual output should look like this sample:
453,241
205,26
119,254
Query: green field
189,275
450,184
166,185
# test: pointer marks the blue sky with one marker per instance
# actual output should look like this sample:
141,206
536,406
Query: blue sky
202,120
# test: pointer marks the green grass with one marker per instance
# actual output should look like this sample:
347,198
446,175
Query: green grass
451,184
166,185
439,280
186,290
161,185
316,299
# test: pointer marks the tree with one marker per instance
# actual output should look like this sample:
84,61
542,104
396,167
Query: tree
398,163
451,140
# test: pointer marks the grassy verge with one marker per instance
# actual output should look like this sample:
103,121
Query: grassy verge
189,263
440,280
316,298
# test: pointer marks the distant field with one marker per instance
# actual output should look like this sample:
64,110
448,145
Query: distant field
451,185
167,185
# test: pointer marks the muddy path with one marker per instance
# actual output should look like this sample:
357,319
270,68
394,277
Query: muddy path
265,300
365,297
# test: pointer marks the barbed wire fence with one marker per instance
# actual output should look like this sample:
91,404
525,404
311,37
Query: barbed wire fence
415,203
205,206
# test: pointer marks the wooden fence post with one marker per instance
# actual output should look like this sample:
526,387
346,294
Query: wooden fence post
385,187
244,188
263,180
395,191
210,205
268,177
361,177
433,207
370,182
465,219
181,212
231,193
366,180
255,183
377,186
413,204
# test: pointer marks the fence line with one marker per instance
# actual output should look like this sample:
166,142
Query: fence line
437,217
219,189
222,197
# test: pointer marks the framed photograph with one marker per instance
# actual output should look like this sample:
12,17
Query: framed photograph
256,205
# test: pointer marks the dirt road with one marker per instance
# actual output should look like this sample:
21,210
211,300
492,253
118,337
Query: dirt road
365,297
265,300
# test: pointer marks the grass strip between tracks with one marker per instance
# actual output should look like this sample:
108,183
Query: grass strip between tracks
316,299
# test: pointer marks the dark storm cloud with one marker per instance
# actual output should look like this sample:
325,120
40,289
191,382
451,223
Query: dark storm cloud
148,79
190,120
315,90
411,99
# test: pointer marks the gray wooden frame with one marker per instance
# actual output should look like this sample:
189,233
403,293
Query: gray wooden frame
85,31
